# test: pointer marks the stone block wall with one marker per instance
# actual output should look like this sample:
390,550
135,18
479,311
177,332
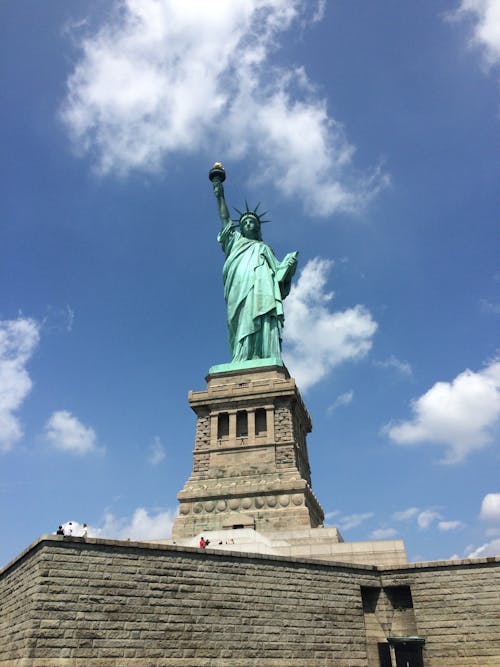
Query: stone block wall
98,603
102,604
457,610
19,588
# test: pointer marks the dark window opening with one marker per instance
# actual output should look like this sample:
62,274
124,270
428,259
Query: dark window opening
384,654
223,425
237,526
409,656
399,596
241,425
260,421
369,596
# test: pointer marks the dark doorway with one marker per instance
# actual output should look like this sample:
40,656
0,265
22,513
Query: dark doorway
408,656
384,655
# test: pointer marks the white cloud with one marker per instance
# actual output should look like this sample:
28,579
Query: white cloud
489,307
383,533
18,340
406,515
68,434
486,26
341,400
460,415
427,517
142,525
354,520
59,319
402,367
488,549
317,339
490,507
163,77
447,526
156,452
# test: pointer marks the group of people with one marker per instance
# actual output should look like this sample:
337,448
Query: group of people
204,543
69,530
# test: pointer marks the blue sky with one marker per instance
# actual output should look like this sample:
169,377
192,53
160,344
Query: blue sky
370,131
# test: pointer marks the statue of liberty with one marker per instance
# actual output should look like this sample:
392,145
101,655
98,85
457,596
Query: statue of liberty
255,282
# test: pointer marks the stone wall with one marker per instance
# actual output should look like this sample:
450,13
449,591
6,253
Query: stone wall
457,610
101,603
97,603
19,588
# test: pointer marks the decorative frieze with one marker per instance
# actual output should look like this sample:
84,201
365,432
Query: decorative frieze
244,503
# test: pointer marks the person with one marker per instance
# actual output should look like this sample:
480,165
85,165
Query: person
60,531
68,529
84,530
202,543
255,284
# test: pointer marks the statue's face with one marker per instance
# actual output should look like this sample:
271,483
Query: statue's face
250,227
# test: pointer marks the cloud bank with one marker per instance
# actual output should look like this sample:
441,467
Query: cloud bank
317,339
342,400
354,520
460,415
142,525
162,78
490,508
156,452
18,340
383,534
488,549
490,513
426,518
67,433
393,362
485,15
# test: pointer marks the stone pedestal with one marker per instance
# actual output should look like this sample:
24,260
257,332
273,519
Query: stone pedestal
251,468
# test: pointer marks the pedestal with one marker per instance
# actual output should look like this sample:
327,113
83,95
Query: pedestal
250,467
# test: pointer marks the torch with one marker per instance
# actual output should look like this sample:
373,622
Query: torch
217,173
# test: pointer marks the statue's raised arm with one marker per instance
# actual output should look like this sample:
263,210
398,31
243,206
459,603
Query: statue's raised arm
217,175
255,284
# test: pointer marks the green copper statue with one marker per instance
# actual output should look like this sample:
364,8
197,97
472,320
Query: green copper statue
255,284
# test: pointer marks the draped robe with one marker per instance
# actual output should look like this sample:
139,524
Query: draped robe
255,284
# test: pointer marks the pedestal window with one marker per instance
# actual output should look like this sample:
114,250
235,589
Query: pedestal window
241,424
260,422
223,425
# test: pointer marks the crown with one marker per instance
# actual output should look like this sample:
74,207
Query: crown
250,211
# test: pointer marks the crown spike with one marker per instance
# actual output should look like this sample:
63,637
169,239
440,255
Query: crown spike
249,211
